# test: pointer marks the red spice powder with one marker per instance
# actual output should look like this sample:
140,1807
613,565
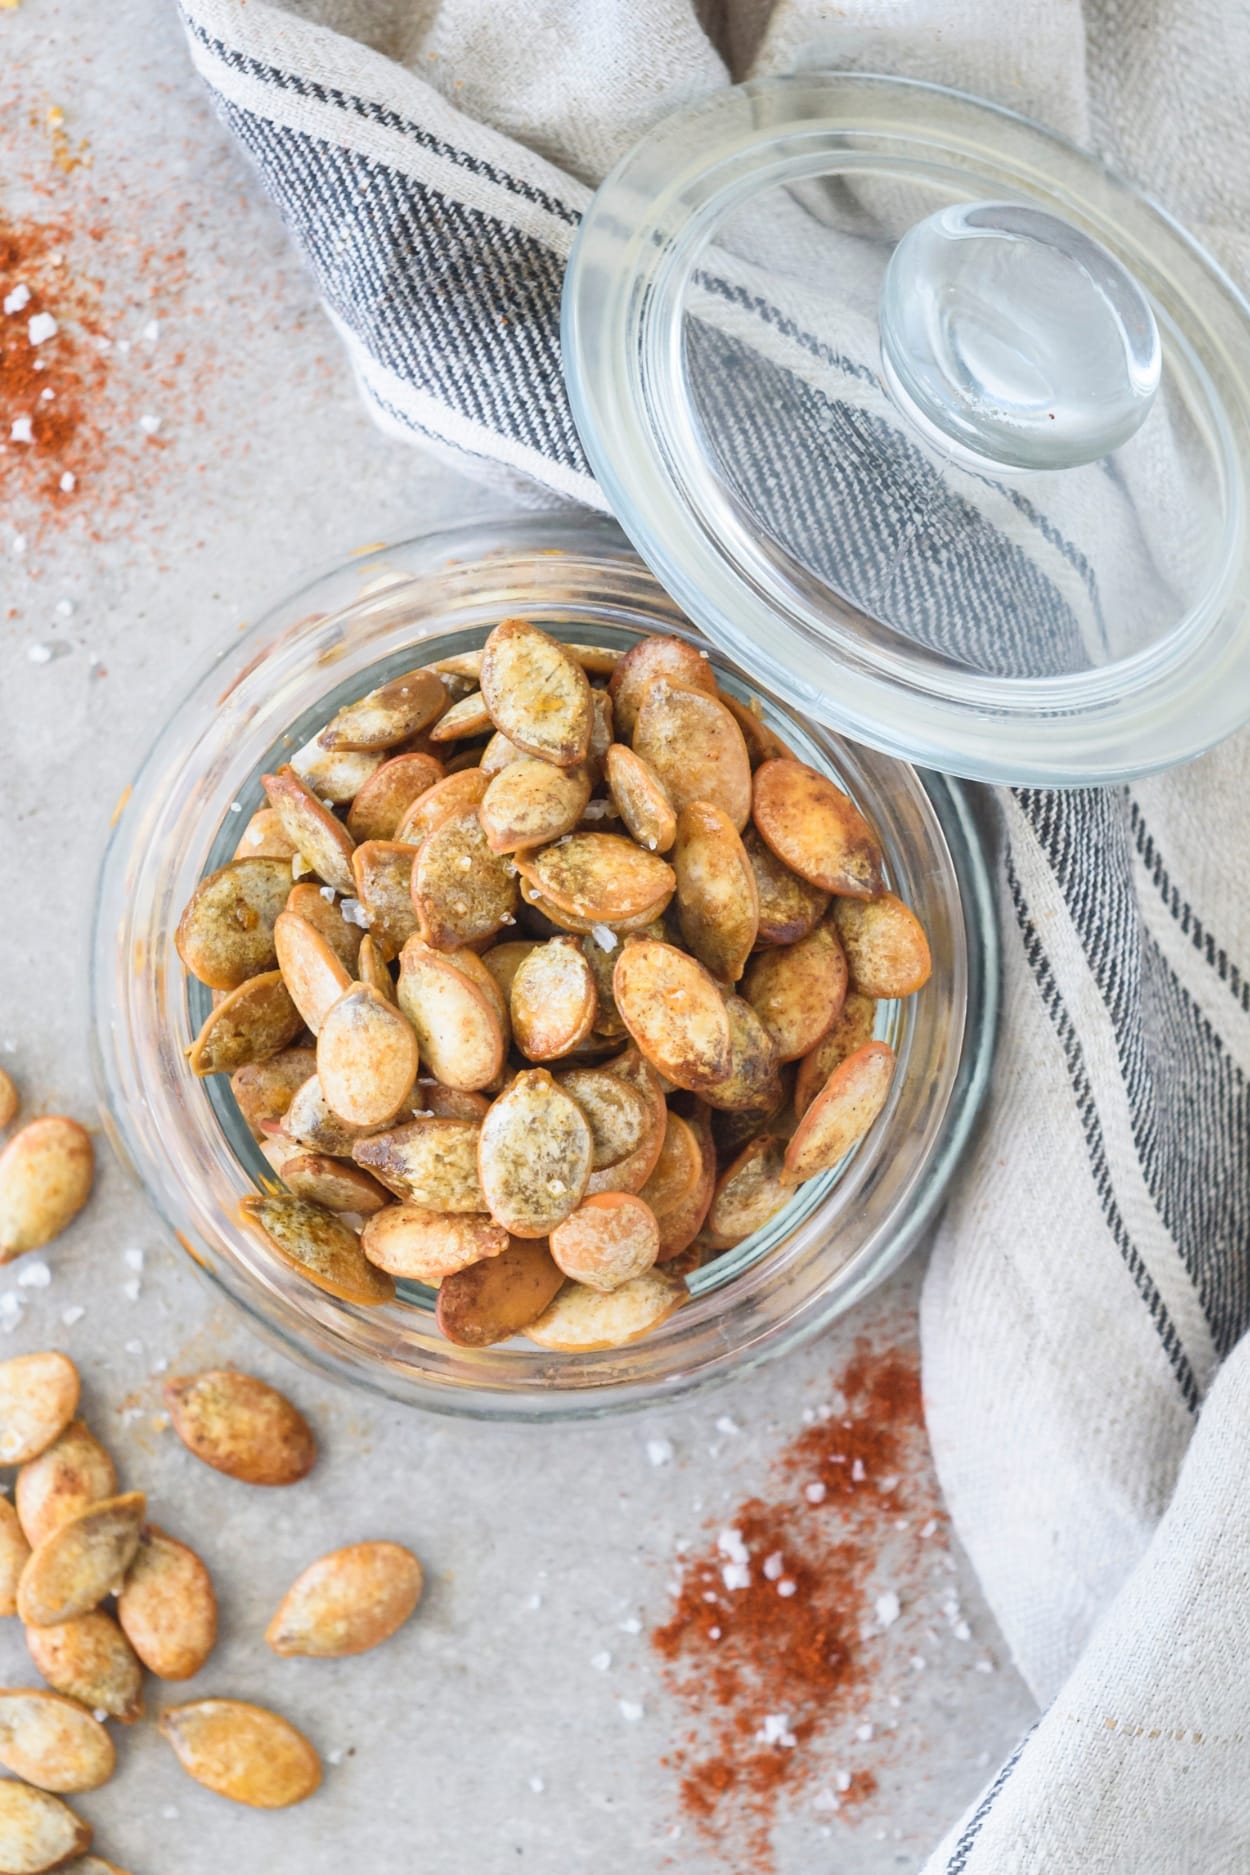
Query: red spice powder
784,1641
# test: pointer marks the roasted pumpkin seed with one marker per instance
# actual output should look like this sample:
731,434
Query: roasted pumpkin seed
456,794
461,890
366,1057
46,1173
491,1301
10,1099
319,907
37,1831
609,1240
752,1080
38,1397
89,1659
504,960
263,1090
53,1742
396,710
789,906
696,748
677,1170
797,991
674,1011
390,791
433,1101
430,1163
331,1182
717,902
468,717
585,1321
424,1246
553,1000
371,968
250,1024
167,1609
347,1602
311,1123
749,1193
225,935
841,1113
315,978
618,1114
243,1752
651,661
458,1030
14,1554
852,1029
531,802
763,743
241,1426
263,838
557,919
322,839
83,1560
319,1245
816,830
334,775
383,873
886,948
534,1155
600,877
682,1224
641,799
537,693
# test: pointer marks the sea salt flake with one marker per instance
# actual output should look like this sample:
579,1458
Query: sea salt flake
327,893
35,1275
535,1601
631,1625
713,1634
736,1575
815,1493
888,1608
824,1800
134,1347
842,1781
601,1661
132,1288
730,1544
604,937
147,423
786,1588
18,543
775,1730
888,1484
19,297
335,1756
774,1566
630,1711
152,331
65,608
864,1732
918,1663
69,482
354,912
72,1314
858,1474
961,1630
928,1529
40,327
39,654
728,1425
21,431
537,1786
660,1451
133,1259
985,1666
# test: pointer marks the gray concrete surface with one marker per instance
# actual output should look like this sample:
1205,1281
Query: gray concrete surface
538,1543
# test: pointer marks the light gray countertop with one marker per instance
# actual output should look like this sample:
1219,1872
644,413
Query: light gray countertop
538,1542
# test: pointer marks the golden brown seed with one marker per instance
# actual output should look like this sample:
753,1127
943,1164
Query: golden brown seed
46,1171
371,968
431,1163
330,1182
249,1024
584,1321
677,1170
167,1609
617,1112
462,891
82,1561
319,1245
383,872
334,775
753,1079
797,991
632,1172
324,914
696,748
53,1742
89,1659
609,1240
10,1100
458,1030
491,1301
531,802
504,960
553,1000
347,1602
680,1226
434,1101
38,1396
817,830
601,735
315,978
225,934
14,1554
641,799
789,906
322,839
886,948
600,876
263,838
717,902
534,1155
648,920
398,709
468,717
366,1057
499,754
241,1426
650,661
424,1246
455,794
750,1192
37,1831
310,1123
537,693
388,794
763,743
852,1029
674,1011
264,1090
841,1113
242,1752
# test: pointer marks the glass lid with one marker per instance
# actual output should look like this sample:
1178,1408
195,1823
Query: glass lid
923,414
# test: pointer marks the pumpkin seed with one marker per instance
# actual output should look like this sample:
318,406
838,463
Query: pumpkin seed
89,1659
366,1058
553,1000
531,802
557,919
852,1029
83,1560
609,1240
461,890
650,661
597,660
534,1155
347,1602
798,990
454,795
641,799
14,1553
469,717
602,735
263,1090
763,743
396,710
841,1113
752,1080
241,1426
458,1031
618,1115
735,1127
315,978
493,1300
682,1224
319,1245
53,1742
225,935
696,748
750,1192
10,1099
380,805
335,775
249,1024
601,877
886,948
243,1752
38,1395
311,1123
428,1163
504,960
434,1101
263,838
424,1246
789,906
677,1170
325,915
46,1172
167,1609
499,754
602,961
674,1011
371,968
816,830
537,694
37,1831
717,902
322,839
584,1321
632,1172
383,872
330,1182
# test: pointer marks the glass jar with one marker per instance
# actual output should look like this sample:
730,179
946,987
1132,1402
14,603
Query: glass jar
272,688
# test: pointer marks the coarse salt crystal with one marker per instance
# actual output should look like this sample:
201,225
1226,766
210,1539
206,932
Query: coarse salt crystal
73,1314
928,1529
604,937
131,1288
133,1258
355,913
152,331
730,1544
39,654
775,1730
327,893
918,1663
774,1566
134,1347
40,327
21,431
660,1451
858,1474
148,423
842,1781
864,1732
631,1625
888,1608
34,1275
537,1786
961,1630
335,1756
47,394
557,1187
11,1309
786,1588
815,1493
534,1601
713,1634
69,482
728,1425
601,1662
630,1710
985,1666
170,1810
825,1800
19,297
18,543
65,608
160,1367
736,1575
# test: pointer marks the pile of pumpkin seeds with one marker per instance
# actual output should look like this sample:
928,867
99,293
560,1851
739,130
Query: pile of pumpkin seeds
545,976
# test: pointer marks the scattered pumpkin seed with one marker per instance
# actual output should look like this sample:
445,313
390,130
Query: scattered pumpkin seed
83,1560
249,1024
243,1752
46,1173
347,1602
14,1553
534,1155
493,1300
38,1398
841,1113
816,830
37,1831
585,1321
225,935
240,1425
536,693
167,1608
53,1742
430,1163
312,1240
89,1659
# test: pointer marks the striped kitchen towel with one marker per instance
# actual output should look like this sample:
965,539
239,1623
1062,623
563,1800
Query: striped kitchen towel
1090,1284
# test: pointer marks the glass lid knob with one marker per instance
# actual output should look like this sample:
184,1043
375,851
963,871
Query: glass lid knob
1011,339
